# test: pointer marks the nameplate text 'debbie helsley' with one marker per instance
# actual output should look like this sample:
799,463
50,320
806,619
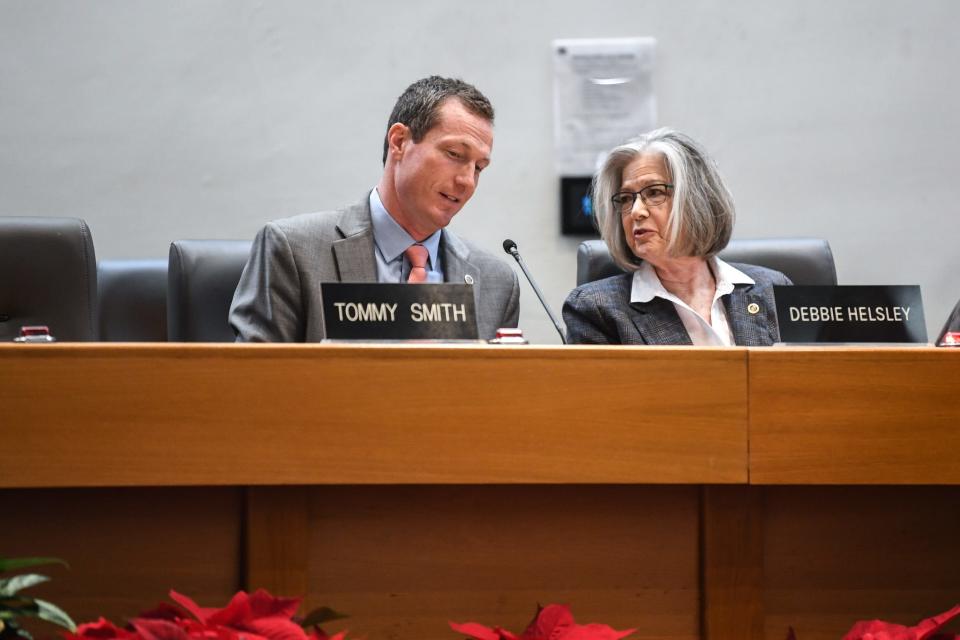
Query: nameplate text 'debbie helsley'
872,314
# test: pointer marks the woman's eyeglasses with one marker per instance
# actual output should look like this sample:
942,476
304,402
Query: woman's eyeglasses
651,196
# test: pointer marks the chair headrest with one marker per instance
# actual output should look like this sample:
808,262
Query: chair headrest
132,300
48,276
202,278
803,260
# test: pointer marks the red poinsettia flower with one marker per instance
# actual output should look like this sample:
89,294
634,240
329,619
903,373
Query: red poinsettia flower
553,622
159,629
926,630
163,611
102,629
259,614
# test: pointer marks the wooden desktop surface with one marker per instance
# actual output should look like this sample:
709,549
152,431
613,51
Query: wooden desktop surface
854,416
329,414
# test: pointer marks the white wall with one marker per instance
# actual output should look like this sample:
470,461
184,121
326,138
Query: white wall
157,121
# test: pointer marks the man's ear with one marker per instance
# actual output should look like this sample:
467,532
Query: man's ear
397,134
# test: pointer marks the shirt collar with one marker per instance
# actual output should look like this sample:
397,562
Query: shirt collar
391,239
727,276
647,286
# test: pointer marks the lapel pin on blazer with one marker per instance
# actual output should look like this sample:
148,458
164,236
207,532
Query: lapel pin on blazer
468,279
753,308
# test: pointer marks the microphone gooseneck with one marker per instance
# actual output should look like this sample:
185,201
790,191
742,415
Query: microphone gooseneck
510,247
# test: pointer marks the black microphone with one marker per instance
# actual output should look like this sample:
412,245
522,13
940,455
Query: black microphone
511,247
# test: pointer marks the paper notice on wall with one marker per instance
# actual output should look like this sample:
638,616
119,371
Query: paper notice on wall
603,96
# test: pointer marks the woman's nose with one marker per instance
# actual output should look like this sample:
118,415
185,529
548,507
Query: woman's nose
639,209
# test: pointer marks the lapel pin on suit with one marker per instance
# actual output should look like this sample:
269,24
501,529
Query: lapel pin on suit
468,279
753,308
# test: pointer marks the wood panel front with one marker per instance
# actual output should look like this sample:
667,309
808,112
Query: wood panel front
855,416
403,561
836,555
732,562
127,548
320,414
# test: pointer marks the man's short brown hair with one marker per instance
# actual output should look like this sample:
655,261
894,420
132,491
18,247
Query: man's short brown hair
419,105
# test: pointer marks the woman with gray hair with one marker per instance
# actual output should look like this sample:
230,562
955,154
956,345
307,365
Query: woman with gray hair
665,213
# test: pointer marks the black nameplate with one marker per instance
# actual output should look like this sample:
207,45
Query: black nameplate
354,311
809,314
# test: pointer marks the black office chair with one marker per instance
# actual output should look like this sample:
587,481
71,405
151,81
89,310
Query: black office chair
202,276
803,260
48,276
132,300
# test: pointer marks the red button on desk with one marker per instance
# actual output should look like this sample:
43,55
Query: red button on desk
506,335
35,333
950,339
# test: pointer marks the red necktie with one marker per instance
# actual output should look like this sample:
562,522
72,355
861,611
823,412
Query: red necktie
417,255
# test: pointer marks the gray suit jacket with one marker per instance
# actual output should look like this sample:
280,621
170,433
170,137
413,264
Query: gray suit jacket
278,298
600,312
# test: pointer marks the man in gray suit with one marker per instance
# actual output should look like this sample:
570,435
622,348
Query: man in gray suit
438,140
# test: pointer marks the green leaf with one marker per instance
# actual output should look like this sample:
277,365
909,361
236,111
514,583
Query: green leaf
13,606
9,564
54,614
13,614
321,615
11,630
23,633
10,586
20,607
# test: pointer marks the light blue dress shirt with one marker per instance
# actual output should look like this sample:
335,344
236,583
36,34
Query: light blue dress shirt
390,241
